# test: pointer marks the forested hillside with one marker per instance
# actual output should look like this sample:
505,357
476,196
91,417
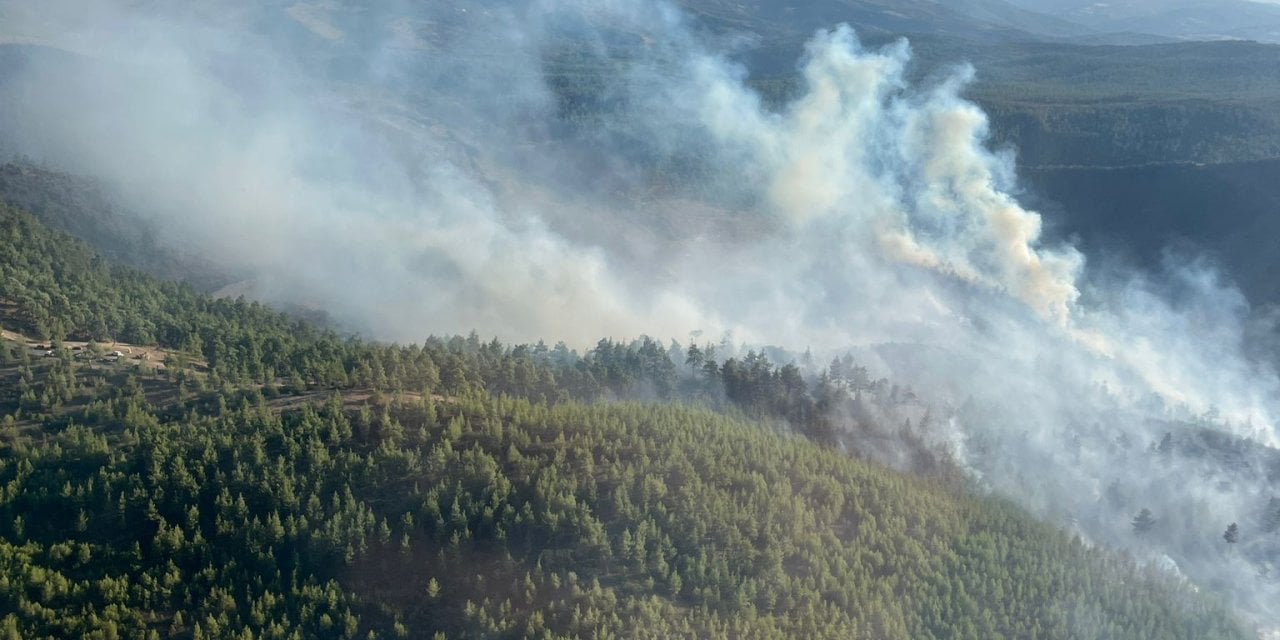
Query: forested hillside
86,209
267,479
1228,211
1070,105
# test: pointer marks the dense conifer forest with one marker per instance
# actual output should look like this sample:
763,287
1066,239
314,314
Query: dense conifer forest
241,474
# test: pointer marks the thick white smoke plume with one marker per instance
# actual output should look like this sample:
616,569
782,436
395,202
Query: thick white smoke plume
568,169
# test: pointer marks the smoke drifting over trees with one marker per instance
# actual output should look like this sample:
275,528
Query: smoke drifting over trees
566,170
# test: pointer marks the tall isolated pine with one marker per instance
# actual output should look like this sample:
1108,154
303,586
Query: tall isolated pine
1144,522
1232,534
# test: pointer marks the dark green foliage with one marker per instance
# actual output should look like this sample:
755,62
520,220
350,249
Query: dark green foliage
1144,522
54,287
85,209
483,515
303,485
1224,210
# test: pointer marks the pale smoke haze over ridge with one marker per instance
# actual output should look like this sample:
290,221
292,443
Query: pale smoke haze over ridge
412,171
1196,20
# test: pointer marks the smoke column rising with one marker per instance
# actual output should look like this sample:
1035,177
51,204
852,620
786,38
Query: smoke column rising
420,170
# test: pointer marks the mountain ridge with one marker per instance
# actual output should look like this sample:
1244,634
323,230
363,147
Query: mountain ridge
486,512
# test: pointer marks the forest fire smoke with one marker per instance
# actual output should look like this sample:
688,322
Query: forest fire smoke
413,188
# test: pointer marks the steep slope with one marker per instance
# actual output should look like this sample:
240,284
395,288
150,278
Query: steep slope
187,502
1227,211
1100,105
1057,105
1187,19
987,19
86,209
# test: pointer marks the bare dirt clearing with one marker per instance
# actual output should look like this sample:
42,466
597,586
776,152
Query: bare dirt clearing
155,358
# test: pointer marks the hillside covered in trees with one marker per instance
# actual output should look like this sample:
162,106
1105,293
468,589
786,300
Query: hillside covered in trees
269,479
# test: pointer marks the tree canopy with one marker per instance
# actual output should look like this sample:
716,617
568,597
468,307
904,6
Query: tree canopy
276,480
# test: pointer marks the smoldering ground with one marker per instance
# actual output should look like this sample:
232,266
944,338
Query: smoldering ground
566,170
